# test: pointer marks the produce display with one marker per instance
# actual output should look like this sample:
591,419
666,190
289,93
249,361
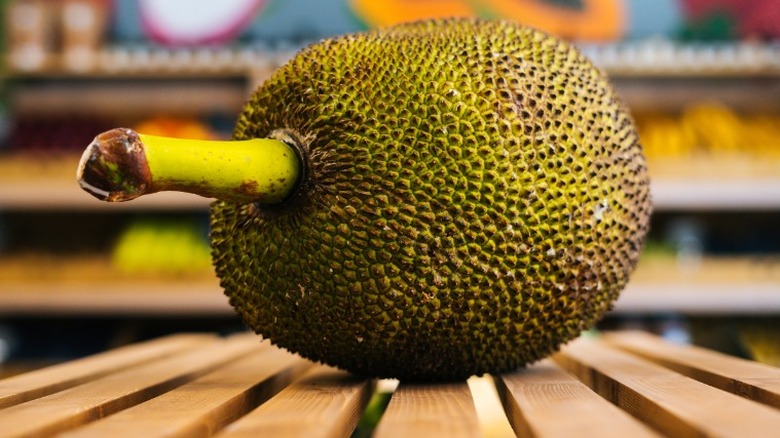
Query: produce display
162,248
63,134
710,129
760,339
179,127
447,198
53,134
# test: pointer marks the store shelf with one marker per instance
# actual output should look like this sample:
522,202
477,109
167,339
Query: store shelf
140,61
716,181
130,98
647,76
174,298
711,194
49,285
60,195
206,299
666,58
689,195
671,93
654,75
642,58
725,287
749,298
50,184
706,286
132,81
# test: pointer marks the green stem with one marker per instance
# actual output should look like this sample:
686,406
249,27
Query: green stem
120,165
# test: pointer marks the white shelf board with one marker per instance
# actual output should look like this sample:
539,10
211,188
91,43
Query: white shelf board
712,194
667,194
207,299
662,57
67,195
758,298
654,57
114,299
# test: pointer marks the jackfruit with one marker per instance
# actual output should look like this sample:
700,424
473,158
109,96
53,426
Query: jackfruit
473,195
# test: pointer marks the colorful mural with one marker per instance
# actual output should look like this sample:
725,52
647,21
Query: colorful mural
573,19
280,21
730,19
206,22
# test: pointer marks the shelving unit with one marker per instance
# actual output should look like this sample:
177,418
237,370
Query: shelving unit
136,299
183,297
714,194
62,193
129,81
65,195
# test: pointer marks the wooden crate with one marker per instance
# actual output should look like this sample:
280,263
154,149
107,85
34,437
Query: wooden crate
622,384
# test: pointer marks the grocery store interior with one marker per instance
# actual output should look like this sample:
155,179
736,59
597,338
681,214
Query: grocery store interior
77,276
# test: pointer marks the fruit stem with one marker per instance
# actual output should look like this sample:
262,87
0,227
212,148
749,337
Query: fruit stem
121,164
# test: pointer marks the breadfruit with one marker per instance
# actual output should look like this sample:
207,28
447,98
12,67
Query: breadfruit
473,195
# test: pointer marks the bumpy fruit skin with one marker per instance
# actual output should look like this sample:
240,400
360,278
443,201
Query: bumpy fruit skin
475,197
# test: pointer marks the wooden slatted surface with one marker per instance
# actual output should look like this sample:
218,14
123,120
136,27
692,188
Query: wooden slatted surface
542,401
623,384
117,391
324,403
56,378
422,410
670,402
203,406
747,378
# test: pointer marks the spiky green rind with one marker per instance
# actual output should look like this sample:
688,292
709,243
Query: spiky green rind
476,196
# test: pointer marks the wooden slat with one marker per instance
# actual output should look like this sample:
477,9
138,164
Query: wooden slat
670,402
98,398
747,378
430,410
205,405
544,400
35,384
324,403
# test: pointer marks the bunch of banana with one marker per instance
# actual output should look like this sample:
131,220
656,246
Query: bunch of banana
761,338
162,247
709,128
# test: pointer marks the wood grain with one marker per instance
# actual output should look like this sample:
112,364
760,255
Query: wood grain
35,384
324,403
430,410
98,398
199,385
670,402
544,400
746,378
203,406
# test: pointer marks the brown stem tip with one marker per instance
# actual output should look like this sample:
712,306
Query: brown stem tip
113,167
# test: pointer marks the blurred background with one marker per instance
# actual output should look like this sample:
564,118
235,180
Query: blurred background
701,77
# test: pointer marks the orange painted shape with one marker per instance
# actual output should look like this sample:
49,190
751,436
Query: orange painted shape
390,12
598,20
